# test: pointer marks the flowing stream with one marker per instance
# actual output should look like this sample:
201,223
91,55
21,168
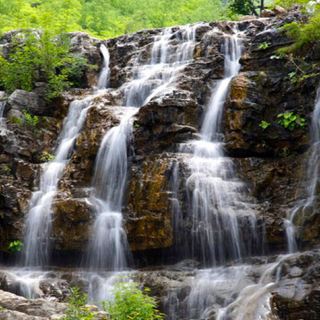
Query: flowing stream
218,200
308,203
217,197
108,248
2,120
38,220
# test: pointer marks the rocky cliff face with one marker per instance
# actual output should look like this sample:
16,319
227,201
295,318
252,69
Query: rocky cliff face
269,160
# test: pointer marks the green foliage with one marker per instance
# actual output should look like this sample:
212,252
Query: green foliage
16,120
5,169
15,246
264,124
40,57
289,3
46,156
105,18
45,57
291,121
303,33
263,46
30,120
244,7
77,309
132,303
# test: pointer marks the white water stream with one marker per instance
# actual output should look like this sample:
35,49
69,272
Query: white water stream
2,120
311,179
217,196
38,220
167,59
108,246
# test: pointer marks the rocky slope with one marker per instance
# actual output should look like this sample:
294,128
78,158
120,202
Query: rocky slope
270,160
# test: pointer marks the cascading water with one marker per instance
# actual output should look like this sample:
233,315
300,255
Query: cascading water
216,195
103,81
218,201
166,61
38,219
312,178
223,228
2,107
109,247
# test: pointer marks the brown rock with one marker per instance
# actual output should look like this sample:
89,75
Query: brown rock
149,222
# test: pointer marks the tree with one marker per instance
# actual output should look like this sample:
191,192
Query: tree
245,7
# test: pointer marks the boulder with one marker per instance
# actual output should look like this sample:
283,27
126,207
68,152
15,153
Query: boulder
28,101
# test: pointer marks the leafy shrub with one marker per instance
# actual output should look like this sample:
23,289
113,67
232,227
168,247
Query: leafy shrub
30,120
41,57
264,124
263,46
46,156
304,33
132,303
16,120
77,309
244,7
15,246
290,120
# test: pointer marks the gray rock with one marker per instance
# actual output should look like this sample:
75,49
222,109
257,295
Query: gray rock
22,100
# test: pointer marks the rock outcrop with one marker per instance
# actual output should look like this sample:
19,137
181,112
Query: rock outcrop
269,159
268,156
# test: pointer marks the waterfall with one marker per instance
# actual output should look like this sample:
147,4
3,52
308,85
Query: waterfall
109,246
103,81
2,107
166,61
216,196
311,178
217,201
39,218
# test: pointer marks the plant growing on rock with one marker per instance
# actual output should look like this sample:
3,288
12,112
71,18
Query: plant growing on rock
263,46
306,32
46,156
42,56
130,302
77,309
264,124
291,120
30,120
15,246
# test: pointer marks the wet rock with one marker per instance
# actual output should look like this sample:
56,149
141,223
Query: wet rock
14,307
254,99
71,222
79,171
149,221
